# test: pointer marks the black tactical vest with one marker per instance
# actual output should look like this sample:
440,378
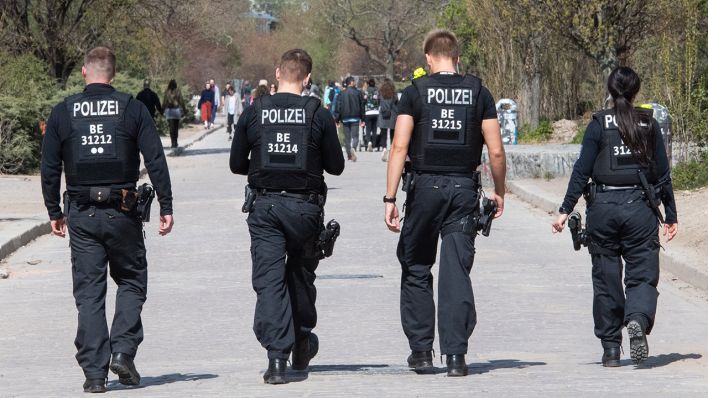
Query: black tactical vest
615,164
99,150
448,137
284,156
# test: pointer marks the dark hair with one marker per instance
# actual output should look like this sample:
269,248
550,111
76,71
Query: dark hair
103,60
172,85
636,132
260,91
387,89
441,43
349,80
372,82
295,64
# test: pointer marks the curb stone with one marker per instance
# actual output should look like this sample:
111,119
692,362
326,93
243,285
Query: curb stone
44,227
681,270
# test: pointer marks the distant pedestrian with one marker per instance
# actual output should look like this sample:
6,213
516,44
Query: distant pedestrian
174,109
349,111
224,93
150,99
388,110
217,97
260,91
232,104
273,89
328,94
315,90
371,96
206,105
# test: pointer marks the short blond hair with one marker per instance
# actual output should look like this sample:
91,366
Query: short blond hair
441,43
101,60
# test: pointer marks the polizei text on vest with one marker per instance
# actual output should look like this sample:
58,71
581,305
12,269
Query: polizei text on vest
283,116
450,96
96,108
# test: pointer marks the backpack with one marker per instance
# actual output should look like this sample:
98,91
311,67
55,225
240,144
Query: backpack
385,109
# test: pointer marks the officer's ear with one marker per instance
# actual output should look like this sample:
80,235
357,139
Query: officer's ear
83,71
307,80
277,74
429,60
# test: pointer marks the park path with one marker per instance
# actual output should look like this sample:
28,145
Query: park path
533,293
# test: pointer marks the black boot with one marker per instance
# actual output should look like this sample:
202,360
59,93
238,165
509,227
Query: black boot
638,345
122,365
611,357
456,365
304,351
421,362
95,385
276,371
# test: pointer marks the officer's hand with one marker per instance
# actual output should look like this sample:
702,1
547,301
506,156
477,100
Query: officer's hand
671,229
560,223
500,204
362,124
166,223
339,125
391,218
59,227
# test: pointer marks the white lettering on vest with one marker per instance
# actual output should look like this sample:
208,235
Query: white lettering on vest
450,96
610,121
283,116
96,108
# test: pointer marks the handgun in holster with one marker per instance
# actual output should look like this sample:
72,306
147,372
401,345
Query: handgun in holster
407,177
589,193
577,232
488,208
249,198
326,240
145,195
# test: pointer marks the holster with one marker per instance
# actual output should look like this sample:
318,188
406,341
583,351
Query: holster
249,198
145,195
407,177
589,193
327,239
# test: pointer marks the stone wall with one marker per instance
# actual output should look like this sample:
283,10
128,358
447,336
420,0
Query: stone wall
535,161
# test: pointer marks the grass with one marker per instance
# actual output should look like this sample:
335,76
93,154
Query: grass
541,134
691,175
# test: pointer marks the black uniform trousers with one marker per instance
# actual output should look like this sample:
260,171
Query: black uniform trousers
622,226
436,201
282,230
100,236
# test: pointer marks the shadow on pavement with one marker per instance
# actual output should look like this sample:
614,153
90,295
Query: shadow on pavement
667,359
346,368
150,381
496,364
197,152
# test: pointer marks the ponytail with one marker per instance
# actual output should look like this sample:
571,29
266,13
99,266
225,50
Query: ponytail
637,132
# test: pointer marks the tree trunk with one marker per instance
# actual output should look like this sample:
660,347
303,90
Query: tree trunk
390,59
535,95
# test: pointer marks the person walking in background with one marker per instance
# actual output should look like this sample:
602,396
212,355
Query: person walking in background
260,91
327,97
223,97
174,109
273,89
371,95
232,104
388,110
349,111
206,105
150,99
624,154
216,104
246,94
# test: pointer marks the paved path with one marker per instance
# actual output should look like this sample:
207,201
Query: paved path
534,336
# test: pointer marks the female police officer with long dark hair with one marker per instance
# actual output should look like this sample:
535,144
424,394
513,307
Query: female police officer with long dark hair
623,146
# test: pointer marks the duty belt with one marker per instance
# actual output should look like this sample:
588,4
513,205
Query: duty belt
96,195
313,198
607,188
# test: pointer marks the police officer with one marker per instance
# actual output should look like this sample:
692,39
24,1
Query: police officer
291,140
443,121
97,137
622,147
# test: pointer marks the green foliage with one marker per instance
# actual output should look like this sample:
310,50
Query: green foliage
541,134
456,17
578,138
691,175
